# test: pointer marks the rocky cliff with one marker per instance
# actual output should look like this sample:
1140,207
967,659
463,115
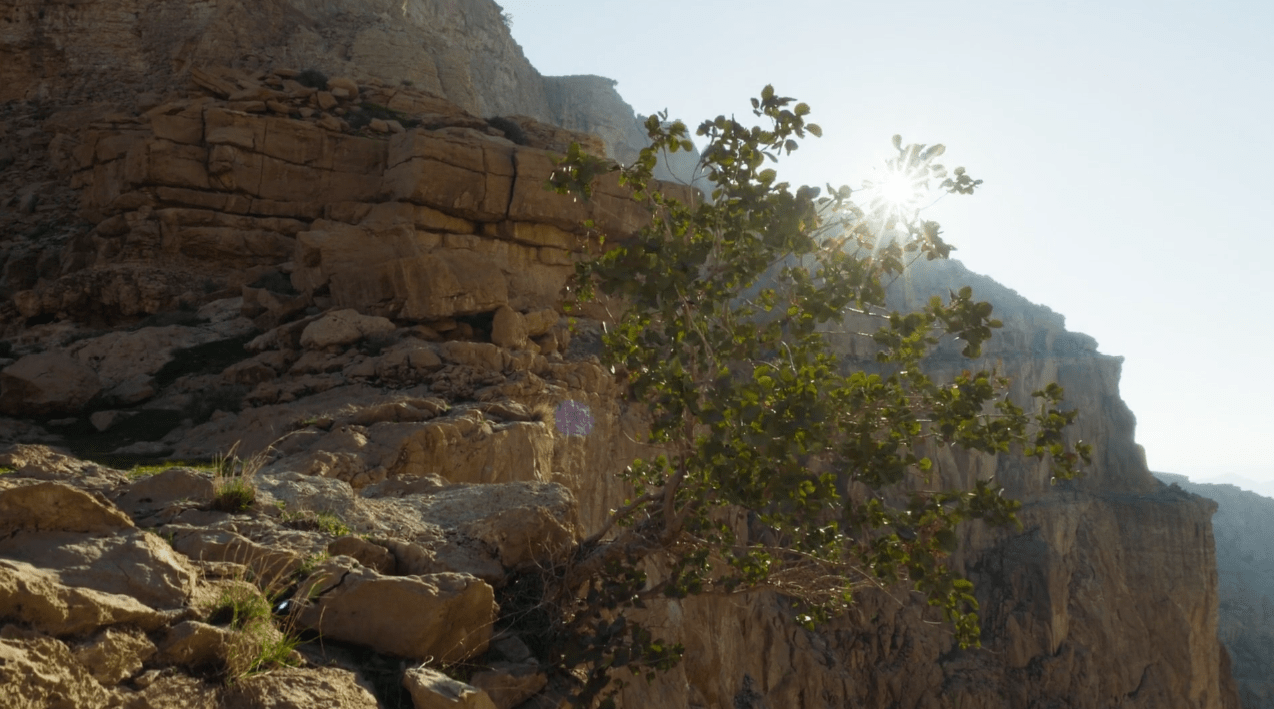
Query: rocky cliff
137,50
349,282
1245,571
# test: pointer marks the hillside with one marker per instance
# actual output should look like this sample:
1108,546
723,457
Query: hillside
313,238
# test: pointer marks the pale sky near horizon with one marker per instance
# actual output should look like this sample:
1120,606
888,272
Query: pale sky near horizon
1125,149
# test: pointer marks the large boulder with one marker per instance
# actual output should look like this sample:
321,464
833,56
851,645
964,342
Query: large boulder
342,327
522,521
36,597
450,620
158,491
55,507
47,384
87,542
123,356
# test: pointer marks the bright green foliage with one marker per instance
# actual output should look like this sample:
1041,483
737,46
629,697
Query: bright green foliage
759,420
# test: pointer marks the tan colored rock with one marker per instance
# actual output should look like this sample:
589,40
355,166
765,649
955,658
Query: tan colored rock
451,619
131,562
294,688
346,83
270,564
163,162
541,321
114,654
27,302
103,420
508,328
168,690
35,596
464,177
118,357
473,354
371,555
431,689
198,645
179,122
509,684
40,673
342,327
55,507
533,234
448,283
47,384
523,521
158,491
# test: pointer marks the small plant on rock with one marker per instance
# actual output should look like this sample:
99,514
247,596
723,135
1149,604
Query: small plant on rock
233,480
328,523
260,645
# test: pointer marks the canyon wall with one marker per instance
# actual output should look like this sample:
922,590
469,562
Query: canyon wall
1245,571
359,282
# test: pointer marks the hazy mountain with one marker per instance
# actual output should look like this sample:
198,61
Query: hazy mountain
1243,526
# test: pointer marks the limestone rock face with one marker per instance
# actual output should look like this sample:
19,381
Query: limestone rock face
290,688
450,621
44,384
88,543
37,597
40,672
1245,573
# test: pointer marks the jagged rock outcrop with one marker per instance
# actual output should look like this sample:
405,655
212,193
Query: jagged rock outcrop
351,284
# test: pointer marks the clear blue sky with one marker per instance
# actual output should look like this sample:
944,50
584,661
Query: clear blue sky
1125,147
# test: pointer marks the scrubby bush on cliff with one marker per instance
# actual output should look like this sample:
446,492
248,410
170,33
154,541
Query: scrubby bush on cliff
783,468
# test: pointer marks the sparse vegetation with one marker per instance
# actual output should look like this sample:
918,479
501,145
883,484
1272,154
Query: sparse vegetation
328,523
511,130
312,78
309,564
235,491
263,645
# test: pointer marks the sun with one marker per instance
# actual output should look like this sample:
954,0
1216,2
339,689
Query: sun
895,193
898,189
